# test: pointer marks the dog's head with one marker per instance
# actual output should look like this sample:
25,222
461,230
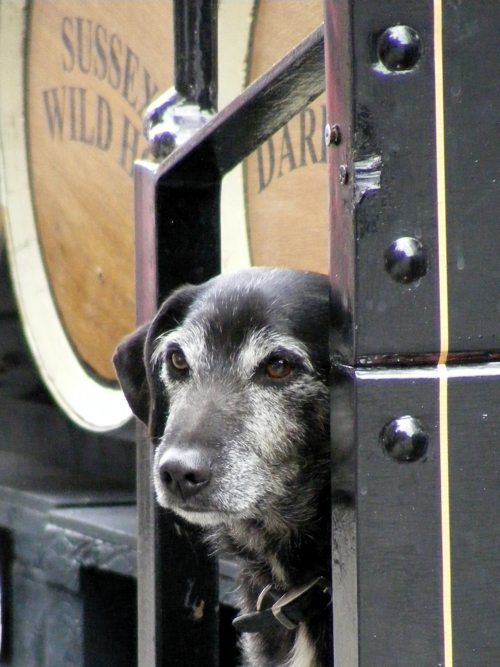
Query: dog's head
231,378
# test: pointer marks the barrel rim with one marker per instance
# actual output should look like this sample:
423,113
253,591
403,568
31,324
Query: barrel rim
87,402
92,403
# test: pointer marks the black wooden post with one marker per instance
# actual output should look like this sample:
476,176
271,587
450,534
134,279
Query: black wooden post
177,241
195,51
413,109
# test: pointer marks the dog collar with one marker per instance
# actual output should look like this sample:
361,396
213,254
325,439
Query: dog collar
288,610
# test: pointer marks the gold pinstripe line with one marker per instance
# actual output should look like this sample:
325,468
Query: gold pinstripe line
441,183
444,334
445,515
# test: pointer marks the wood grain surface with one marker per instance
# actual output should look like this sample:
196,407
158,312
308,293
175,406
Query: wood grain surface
286,187
92,69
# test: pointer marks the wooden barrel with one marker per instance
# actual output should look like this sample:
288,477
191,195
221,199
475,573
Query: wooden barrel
274,208
75,78
286,177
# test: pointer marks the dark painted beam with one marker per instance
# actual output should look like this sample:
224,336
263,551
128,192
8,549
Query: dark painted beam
251,118
177,578
414,237
195,51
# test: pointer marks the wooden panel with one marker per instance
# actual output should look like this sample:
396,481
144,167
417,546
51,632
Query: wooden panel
393,611
415,557
286,177
92,69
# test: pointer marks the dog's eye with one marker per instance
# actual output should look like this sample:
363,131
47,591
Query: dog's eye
278,368
178,360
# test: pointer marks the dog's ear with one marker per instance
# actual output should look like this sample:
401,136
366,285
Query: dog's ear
142,387
131,372
170,315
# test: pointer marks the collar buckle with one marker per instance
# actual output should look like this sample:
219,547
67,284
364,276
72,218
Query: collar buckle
292,608
302,601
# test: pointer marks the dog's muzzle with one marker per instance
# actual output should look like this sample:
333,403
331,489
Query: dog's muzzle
185,473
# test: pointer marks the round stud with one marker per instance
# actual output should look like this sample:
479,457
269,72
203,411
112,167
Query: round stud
399,48
332,135
406,260
404,439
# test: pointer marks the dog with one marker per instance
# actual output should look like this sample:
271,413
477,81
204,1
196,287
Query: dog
232,378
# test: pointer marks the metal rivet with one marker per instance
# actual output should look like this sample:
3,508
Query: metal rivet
332,135
343,174
406,260
404,439
399,48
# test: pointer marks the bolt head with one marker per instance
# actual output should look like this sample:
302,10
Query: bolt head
399,48
332,135
406,260
404,439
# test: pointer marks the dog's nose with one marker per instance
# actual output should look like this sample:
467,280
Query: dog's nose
184,473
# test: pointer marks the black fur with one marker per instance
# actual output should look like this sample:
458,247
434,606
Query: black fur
263,498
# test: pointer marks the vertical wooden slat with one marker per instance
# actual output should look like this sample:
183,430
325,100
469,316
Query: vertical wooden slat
177,241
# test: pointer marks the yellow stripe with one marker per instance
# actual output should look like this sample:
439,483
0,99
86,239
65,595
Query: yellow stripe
444,334
441,182
445,515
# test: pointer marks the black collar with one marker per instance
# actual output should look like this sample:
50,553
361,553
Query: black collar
288,610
